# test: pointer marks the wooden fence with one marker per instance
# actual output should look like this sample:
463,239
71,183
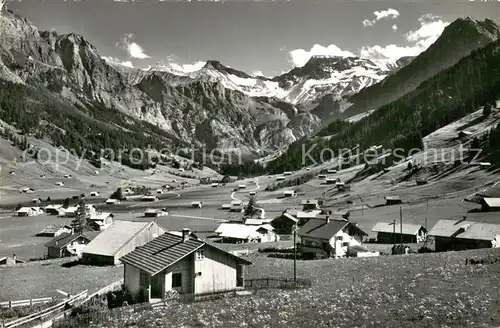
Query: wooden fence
27,302
272,282
28,320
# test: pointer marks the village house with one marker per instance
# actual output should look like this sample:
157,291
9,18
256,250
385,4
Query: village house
154,213
100,221
29,211
196,204
258,221
10,261
225,206
186,265
94,194
53,209
390,232
287,173
280,178
490,204
455,235
327,237
284,224
53,230
60,184
112,201
241,233
242,186
393,200
310,204
67,244
289,193
119,239
149,198
329,180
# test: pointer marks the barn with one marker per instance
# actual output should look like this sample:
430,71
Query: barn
119,239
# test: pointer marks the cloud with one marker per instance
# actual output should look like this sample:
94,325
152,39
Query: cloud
368,23
117,61
134,49
299,57
431,27
394,27
389,13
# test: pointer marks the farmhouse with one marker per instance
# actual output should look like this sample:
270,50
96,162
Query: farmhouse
330,181
463,134
60,184
215,184
53,230
119,239
236,208
393,200
252,193
331,171
226,206
100,221
490,204
186,265
284,224
94,194
29,211
149,198
310,204
322,176
242,186
391,232
53,209
454,235
159,191
328,237
280,178
112,201
241,233
197,204
287,173
154,213
10,261
289,193
67,244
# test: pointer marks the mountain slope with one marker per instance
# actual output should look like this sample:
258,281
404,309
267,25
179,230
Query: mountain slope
400,125
457,40
188,110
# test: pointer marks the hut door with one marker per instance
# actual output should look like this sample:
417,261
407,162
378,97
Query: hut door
156,286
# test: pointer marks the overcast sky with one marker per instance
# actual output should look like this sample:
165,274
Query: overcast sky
267,37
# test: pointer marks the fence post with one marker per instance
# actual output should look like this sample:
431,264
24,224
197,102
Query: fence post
10,304
31,302
267,283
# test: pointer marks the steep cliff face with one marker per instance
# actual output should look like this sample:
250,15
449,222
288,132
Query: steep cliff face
196,110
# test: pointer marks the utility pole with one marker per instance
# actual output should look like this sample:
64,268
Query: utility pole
401,223
295,253
393,233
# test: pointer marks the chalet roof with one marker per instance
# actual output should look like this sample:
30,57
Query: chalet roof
238,231
320,229
308,214
464,229
392,198
389,227
27,209
100,216
491,202
53,206
290,217
53,228
250,221
64,239
310,201
167,249
113,239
